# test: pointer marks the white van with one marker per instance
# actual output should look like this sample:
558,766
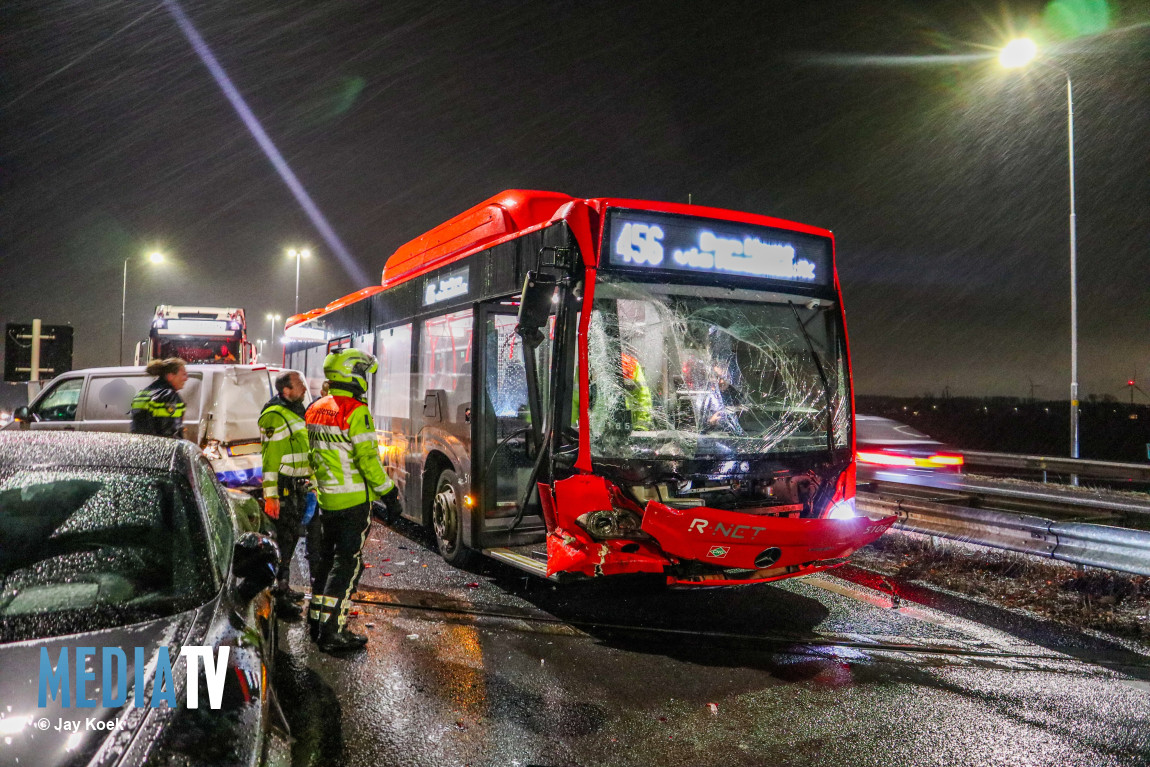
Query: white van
223,406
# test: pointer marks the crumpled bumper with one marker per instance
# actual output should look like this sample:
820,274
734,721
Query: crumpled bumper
767,548
741,547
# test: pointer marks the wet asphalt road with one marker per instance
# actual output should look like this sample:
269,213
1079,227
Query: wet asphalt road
492,667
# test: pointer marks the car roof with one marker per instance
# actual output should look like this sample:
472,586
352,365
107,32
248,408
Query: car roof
876,429
192,368
90,449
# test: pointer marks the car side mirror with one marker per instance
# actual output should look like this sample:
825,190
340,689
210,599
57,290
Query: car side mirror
535,306
255,558
24,416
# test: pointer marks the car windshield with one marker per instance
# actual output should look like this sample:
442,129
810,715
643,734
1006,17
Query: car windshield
84,549
699,372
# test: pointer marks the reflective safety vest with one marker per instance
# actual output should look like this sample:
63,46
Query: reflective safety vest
636,394
285,445
344,452
158,410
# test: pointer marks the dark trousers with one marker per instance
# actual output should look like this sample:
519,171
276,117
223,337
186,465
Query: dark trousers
289,527
313,549
341,561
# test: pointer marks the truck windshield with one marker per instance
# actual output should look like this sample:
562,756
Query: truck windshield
699,372
199,349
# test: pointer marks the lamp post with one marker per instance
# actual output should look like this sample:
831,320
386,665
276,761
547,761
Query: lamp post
273,318
298,255
155,257
1019,53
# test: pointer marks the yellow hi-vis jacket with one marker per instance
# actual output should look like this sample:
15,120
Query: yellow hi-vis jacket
285,445
344,452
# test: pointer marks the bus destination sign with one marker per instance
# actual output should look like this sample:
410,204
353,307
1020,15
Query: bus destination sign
446,286
646,240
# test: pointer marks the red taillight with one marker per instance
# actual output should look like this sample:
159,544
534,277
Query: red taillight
885,459
935,461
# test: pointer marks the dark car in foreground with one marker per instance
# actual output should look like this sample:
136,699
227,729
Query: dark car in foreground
887,449
116,553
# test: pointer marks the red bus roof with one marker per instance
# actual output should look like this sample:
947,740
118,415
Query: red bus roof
509,213
338,303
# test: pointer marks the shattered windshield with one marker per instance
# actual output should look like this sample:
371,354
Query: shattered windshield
97,548
701,372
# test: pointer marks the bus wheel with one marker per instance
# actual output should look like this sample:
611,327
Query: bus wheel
447,521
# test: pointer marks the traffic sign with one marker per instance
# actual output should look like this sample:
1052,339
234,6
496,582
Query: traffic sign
49,345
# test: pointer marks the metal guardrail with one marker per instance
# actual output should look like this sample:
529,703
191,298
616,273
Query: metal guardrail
1113,548
1139,472
1054,501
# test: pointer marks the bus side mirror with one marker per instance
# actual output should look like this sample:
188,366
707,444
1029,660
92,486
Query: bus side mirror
535,306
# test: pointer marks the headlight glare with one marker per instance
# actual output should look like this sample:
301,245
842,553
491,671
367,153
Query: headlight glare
844,509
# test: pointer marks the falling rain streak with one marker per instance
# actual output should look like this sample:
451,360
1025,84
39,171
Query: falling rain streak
269,148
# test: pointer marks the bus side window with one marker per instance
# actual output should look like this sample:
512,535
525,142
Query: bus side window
445,364
393,379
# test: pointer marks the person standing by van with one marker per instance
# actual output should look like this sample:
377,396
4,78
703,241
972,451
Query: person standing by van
350,476
287,477
157,409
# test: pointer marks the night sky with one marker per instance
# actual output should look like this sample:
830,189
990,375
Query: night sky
943,176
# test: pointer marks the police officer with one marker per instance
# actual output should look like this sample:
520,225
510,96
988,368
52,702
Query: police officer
350,477
157,409
287,477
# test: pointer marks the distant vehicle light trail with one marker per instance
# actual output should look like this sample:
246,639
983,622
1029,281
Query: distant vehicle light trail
256,129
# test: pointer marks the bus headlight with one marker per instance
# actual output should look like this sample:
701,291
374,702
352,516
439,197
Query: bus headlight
844,509
612,523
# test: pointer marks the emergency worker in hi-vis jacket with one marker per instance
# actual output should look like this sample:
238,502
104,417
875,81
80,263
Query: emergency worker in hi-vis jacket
349,477
158,409
287,479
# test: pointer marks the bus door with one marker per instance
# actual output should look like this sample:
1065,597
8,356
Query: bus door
504,427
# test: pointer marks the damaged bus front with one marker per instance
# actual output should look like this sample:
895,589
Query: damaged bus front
702,429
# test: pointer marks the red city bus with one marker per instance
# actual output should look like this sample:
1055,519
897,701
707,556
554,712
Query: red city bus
595,387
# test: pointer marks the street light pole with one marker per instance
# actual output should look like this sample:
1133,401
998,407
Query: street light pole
123,311
1019,53
272,319
155,257
1073,275
298,255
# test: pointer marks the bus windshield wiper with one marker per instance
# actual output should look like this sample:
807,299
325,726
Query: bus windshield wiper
823,377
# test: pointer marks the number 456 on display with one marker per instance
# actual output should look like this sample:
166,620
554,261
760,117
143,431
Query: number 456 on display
639,244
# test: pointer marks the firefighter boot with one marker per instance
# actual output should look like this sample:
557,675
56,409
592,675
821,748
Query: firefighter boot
317,613
334,635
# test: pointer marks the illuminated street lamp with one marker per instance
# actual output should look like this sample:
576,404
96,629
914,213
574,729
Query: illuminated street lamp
1019,53
298,255
155,257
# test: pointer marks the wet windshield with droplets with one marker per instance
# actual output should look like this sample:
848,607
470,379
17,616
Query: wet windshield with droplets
113,546
698,372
